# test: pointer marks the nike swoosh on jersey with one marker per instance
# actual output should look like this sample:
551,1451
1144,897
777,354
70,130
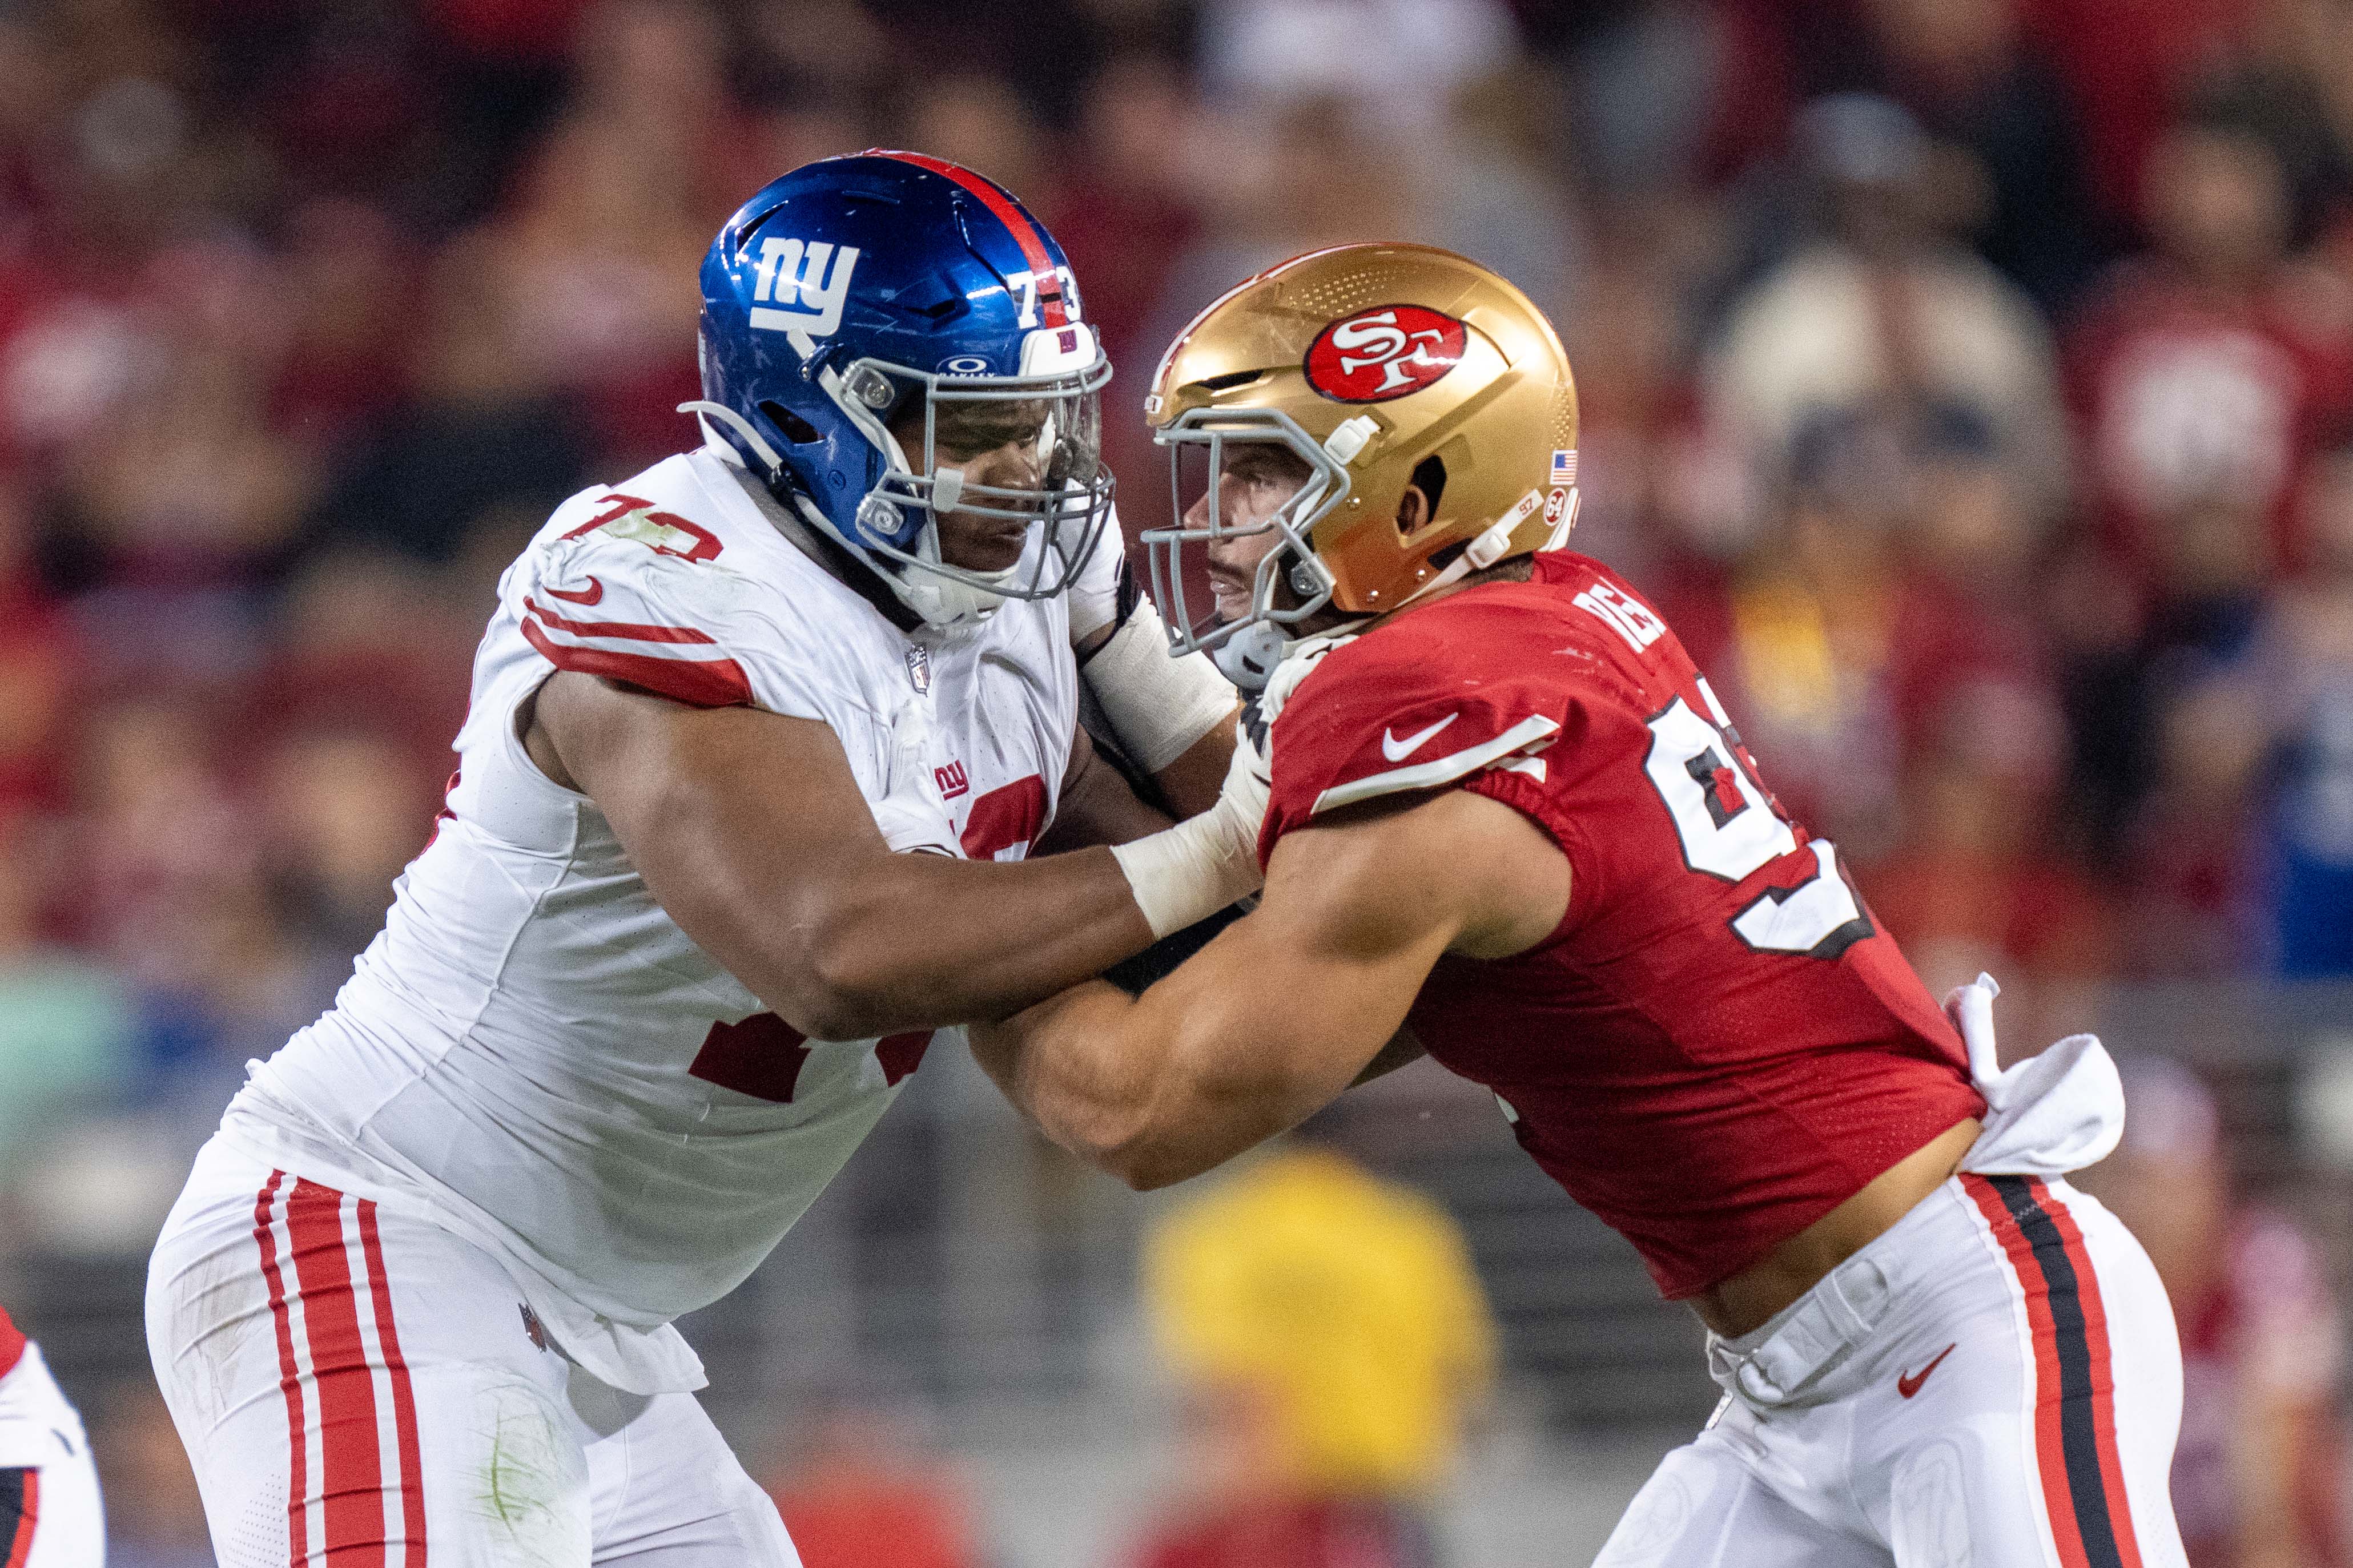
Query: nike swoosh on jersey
1396,751
1908,1386
591,594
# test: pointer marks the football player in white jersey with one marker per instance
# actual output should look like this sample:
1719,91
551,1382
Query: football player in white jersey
660,969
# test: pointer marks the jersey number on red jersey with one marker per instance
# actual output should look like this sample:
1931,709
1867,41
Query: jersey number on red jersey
1731,828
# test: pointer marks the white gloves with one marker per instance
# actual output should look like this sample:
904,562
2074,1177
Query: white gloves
1158,703
1182,875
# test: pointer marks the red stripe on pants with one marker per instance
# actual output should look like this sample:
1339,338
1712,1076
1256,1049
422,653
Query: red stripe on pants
2104,1382
404,1397
349,1458
298,1485
2050,1453
28,1510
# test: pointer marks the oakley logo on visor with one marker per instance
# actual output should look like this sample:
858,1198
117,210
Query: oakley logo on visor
1375,355
793,274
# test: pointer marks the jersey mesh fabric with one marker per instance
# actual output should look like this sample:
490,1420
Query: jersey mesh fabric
1706,1099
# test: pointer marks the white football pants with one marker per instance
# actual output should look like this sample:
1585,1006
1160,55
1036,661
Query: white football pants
1995,1383
362,1389
49,1514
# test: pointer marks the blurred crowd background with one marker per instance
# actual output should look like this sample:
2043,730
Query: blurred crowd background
1970,383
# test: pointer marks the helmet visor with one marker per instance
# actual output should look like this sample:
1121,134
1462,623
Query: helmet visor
1248,486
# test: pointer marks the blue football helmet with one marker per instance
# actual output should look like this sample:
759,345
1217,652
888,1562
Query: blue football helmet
852,288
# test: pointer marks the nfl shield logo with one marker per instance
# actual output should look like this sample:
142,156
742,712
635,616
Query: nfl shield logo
919,669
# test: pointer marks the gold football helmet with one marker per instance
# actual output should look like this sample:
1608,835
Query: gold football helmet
1378,366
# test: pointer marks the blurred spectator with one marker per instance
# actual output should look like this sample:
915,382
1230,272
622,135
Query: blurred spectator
2127,63
1658,498
861,1490
66,1022
1877,315
2210,365
1981,880
1332,1337
2257,1477
2286,86
2011,151
1397,64
2265,739
39,660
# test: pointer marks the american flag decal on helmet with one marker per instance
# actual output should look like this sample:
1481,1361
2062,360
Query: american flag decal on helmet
1564,466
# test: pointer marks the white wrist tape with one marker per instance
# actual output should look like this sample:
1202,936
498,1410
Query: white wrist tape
1158,703
1182,875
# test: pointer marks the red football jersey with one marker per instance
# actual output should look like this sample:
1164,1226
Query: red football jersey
1718,1045
12,1343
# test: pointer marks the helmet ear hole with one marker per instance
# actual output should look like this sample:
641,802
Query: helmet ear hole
1430,477
795,429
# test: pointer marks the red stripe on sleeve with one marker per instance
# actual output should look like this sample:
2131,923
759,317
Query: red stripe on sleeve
627,631
297,1437
2104,1382
29,1514
12,1343
696,682
1025,232
2049,1452
404,1397
351,1459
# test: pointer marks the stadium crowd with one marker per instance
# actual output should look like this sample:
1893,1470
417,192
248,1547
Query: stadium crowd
1970,382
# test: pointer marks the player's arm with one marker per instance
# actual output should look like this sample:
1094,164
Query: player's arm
1173,715
1290,1005
751,833
1097,806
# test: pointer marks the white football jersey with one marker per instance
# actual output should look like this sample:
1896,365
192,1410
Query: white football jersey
533,1050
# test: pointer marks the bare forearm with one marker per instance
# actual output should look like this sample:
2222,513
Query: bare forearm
1191,782
987,939
1068,1065
1154,1089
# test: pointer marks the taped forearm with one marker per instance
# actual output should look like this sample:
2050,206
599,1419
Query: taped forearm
1158,703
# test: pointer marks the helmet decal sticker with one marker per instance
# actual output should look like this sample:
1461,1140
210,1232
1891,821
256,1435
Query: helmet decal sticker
1375,355
792,274
965,364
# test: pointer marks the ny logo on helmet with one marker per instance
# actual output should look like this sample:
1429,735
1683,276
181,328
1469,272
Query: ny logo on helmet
792,273
1375,355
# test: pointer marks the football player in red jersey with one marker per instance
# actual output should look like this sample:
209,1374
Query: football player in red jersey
1512,824
49,1510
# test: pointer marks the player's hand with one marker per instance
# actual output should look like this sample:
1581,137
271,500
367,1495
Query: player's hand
1185,873
1104,593
1250,778
1295,667
912,814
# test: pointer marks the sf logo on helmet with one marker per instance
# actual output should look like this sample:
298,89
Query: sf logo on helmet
1375,355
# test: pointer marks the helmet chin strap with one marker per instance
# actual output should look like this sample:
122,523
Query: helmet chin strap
705,412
